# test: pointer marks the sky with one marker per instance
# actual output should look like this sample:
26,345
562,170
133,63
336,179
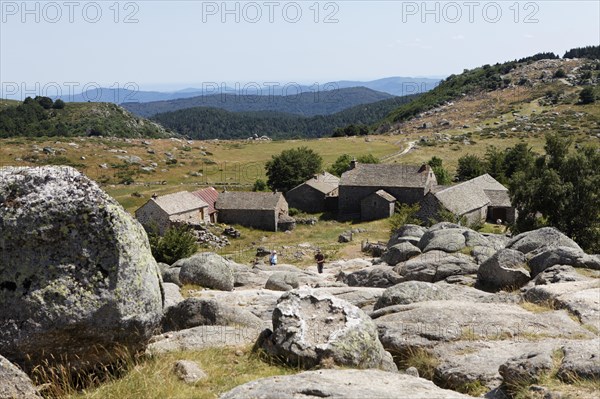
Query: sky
171,45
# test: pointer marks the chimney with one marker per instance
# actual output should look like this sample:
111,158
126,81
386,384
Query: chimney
423,168
353,163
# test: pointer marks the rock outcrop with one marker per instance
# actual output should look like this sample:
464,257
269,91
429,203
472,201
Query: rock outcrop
311,327
356,384
436,266
194,312
77,277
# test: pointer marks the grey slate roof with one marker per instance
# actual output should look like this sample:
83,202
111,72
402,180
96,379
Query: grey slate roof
323,182
386,175
247,200
473,194
498,198
487,182
180,202
385,195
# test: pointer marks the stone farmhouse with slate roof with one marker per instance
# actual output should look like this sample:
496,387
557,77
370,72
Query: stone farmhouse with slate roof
166,210
319,194
210,196
481,198
408,184
252,209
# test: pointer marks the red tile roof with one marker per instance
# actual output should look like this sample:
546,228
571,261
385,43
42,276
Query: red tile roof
208,195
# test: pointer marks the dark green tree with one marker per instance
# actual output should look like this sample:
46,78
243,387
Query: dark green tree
177,243
469,167
45,102
58,104
292,167
494,163
342,163
260,185
561,190
441,174
587,96
367,158
518,158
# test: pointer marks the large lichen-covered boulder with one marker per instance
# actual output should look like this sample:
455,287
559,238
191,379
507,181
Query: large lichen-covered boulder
310,327
77,278
208,270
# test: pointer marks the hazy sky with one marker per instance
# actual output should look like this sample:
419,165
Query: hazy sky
178,44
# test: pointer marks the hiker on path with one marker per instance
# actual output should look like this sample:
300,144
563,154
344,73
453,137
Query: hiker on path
320,261
273,258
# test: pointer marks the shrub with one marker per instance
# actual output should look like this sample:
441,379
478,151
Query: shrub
560,74
177,243
587,96
260,185
405,214
444,215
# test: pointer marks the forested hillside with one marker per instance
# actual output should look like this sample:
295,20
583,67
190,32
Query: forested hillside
303,104
43,117
208,123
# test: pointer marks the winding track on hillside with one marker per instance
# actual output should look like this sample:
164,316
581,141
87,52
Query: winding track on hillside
409,147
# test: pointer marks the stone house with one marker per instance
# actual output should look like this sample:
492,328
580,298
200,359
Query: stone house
479,199
210,196
252,209
378,205
314,195
166,210
408,184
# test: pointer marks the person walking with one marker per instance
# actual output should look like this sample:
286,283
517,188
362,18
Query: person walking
273,258
320,258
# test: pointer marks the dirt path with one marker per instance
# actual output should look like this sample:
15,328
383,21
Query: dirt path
410,146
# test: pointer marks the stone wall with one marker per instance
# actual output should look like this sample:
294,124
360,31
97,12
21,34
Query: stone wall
351,196
258,219
306,199
374,207
150,213
193,217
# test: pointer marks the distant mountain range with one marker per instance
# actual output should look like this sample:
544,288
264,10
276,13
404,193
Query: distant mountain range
396,86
